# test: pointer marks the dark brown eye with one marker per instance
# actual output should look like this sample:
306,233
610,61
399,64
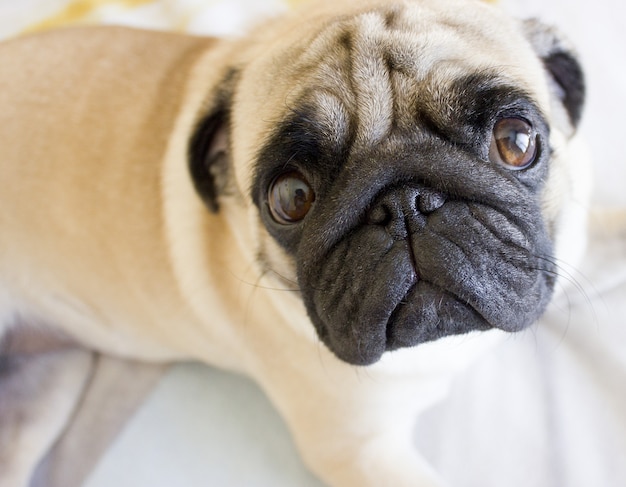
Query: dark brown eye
513,144
290,197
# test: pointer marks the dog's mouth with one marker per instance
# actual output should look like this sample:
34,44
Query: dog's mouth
464,268
428,313
360,323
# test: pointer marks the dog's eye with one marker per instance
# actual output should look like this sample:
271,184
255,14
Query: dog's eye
513,144
290,197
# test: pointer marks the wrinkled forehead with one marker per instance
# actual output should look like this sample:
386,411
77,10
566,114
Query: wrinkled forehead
369,69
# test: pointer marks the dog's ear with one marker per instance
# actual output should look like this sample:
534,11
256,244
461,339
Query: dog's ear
209,148
561,63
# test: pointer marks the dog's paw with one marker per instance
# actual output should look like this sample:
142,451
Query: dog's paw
383,461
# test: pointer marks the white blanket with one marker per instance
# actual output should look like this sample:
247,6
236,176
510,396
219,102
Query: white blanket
548,408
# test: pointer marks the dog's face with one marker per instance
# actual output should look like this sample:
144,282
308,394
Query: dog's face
407,165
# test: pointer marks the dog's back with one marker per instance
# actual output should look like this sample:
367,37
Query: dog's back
82,149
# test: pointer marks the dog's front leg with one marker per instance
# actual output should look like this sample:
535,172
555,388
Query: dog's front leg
355,431
378,459
40,384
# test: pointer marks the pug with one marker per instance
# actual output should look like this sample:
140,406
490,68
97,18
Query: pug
348,205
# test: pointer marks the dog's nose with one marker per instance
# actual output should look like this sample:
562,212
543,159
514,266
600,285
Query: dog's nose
404,209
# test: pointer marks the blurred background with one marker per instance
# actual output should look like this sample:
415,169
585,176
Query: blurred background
548,408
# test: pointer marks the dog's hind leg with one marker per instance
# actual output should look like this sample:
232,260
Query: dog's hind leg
41,382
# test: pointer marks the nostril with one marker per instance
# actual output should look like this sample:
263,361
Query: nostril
379,215
391,215
402,203
428,201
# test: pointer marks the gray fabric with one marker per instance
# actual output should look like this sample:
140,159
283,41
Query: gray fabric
116,388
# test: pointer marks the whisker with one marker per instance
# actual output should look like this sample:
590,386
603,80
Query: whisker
573,277
268,288
283,277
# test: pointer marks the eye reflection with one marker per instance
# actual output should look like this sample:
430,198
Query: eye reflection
513,143
290,198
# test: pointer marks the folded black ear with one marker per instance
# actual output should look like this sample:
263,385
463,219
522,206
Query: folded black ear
562,64
209,148
209,158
